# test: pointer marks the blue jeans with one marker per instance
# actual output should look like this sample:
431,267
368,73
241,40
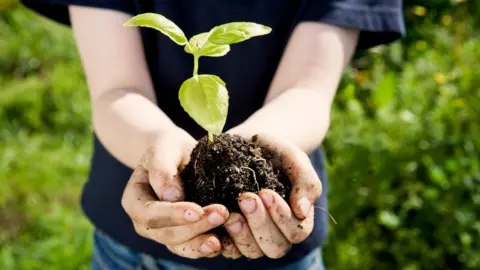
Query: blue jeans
111,255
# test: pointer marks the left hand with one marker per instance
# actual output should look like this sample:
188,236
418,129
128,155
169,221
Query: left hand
269,225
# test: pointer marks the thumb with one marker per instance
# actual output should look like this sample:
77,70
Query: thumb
306,185
306,189
162,165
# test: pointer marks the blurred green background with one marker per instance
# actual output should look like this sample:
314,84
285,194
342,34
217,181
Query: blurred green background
403,149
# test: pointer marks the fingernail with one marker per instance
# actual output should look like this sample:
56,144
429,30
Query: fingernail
191,216
216,219
209,246
235,227
248,205
171,194
204,248
267,199
305,205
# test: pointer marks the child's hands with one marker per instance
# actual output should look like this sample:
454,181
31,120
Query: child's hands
269,225
153,200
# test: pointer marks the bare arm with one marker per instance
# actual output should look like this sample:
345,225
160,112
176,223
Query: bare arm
297,107
125,116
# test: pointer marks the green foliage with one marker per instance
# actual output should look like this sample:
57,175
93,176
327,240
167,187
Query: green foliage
200,46
160,23
205,99
403,148
231,33
385,90
45,146
404,151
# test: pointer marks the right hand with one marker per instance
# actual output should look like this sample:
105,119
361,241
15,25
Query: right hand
153,198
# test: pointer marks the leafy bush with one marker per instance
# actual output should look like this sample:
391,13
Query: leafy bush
404,150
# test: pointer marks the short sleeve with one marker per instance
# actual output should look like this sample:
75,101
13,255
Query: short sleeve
379,21
57,10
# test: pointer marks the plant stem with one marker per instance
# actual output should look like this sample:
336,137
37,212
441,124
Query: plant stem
195,65
195,73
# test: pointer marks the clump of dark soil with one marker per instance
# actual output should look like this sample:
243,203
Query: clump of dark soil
219,171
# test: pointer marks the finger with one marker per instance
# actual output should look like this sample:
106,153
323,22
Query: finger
138,189
293,229
158,214
267,235
215,215
205,245
242,236
306,185
141,205
229,250
163,174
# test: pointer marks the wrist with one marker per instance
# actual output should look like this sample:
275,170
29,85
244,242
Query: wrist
243,130
170,132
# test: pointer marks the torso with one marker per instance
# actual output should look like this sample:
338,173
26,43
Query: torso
247,70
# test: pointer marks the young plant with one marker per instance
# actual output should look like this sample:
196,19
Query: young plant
204,97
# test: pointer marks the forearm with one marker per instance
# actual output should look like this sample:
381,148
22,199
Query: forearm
298,104
125,116
299,116
126,122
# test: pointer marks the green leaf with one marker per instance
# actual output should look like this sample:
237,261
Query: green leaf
160,23
199,45
236,32
196,43
349,91
466,238
385,90
355,107
205,99
388,219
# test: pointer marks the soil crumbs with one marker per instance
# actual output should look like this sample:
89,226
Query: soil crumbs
219,171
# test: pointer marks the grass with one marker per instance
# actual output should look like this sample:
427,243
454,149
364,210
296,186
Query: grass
42,223
45,146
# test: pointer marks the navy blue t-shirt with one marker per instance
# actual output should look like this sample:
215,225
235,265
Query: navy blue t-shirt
247,70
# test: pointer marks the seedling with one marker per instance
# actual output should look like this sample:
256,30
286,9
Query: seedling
204,97
220,169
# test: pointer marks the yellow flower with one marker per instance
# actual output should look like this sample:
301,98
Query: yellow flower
419,11
440,78
421,45
446,19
